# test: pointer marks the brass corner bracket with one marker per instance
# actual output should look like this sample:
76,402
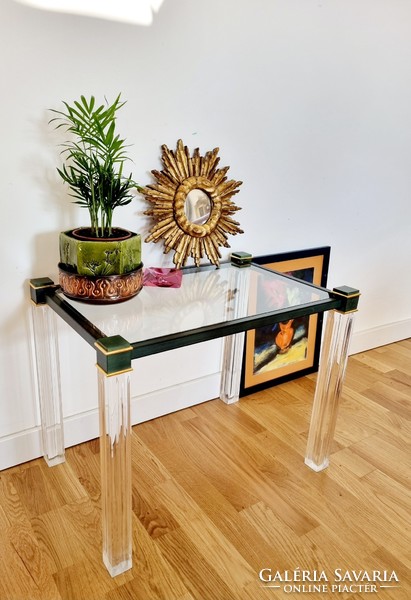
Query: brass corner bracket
349,298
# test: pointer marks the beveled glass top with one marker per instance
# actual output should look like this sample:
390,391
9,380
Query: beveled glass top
214,302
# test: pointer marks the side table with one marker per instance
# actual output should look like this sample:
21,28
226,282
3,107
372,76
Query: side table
211,303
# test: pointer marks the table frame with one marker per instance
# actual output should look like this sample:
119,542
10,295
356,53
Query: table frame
114,363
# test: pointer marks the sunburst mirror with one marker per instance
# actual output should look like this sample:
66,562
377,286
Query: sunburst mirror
191,205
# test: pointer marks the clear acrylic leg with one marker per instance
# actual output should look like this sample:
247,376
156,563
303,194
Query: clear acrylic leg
231,368
333,361
234,344
48,378
115,452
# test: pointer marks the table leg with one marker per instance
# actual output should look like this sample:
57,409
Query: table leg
333,361
115,453
234,344
48,378
231,368
114,366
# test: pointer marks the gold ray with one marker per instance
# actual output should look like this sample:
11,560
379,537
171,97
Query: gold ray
181,160
228,188
221,236
160,229
165,190
190,165
204,165
212,251
173,238
196,161
220,176
158,195
215,159
164,178
198,250
170,162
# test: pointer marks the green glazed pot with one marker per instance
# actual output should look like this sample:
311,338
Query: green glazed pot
100,256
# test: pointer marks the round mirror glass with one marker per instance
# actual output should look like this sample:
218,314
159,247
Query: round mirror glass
197,207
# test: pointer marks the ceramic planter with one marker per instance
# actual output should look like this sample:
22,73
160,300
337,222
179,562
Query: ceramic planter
100,270
100,256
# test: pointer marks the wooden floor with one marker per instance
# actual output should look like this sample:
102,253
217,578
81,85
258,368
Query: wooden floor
221,492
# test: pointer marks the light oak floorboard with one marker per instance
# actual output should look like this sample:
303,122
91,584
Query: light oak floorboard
221,492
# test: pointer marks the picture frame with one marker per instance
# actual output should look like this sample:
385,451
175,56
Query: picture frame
265,364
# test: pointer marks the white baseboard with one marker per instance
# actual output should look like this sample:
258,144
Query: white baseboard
20,447
26,445
162,402
380,336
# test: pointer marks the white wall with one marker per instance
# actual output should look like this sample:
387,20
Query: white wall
310,104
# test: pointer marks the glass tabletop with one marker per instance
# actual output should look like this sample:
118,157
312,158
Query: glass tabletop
208,300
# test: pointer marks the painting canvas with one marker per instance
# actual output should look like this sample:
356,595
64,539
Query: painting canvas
277,353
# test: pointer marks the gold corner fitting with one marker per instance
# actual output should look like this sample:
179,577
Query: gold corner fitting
122,372
112,352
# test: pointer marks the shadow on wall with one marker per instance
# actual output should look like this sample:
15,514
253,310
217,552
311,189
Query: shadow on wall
45,255
135,12
16,334
16,331
19,402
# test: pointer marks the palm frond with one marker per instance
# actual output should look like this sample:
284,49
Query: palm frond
94,159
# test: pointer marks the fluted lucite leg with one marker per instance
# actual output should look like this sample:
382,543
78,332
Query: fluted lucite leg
333,361
115,454
231,368
233,347
48,379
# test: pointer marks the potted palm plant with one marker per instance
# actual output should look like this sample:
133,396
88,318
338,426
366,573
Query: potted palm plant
98,263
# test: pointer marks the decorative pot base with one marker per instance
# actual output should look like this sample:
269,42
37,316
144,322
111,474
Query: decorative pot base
101,289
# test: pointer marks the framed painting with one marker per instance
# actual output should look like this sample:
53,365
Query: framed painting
284,351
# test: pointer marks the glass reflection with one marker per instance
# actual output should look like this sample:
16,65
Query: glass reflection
197,207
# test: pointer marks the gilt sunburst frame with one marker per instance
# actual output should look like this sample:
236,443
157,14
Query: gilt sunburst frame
181,174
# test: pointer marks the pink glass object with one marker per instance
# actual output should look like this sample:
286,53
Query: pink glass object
161,277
